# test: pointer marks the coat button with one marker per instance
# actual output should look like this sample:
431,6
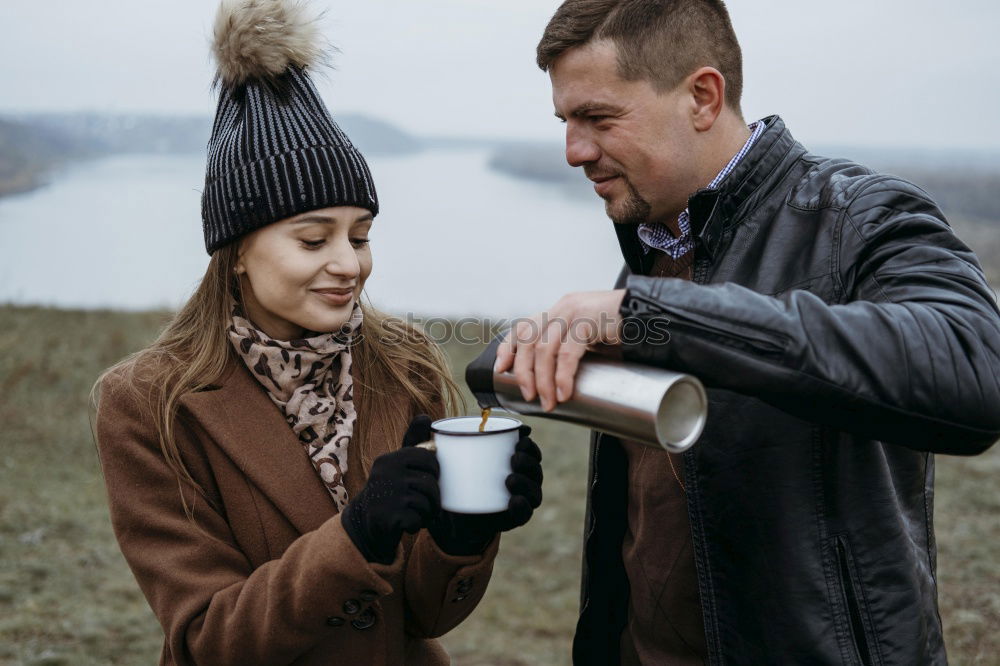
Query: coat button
364,621
352,606
335,621
368,595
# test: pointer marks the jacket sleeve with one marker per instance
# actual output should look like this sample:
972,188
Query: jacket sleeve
442,589
215,608
910,356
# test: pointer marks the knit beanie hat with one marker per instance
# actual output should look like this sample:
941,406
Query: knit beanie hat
275,150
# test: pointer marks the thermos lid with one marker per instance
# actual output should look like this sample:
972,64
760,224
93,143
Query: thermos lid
479,375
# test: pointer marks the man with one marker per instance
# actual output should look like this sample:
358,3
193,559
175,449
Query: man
845,334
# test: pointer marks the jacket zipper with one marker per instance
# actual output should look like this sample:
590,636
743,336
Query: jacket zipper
854,609
593,524
700,270
756,345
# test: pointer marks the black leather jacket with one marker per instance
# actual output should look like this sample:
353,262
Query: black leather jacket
845,335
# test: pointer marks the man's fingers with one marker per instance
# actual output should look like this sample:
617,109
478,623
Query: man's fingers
546,353
567,364
545,362
505,353
524,359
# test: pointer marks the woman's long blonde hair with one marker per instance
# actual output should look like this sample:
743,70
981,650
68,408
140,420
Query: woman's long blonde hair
398,371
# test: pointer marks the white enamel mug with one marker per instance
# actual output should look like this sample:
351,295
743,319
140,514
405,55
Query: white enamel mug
475,465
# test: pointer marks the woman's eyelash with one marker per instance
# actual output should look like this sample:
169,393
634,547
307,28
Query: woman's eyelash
316,244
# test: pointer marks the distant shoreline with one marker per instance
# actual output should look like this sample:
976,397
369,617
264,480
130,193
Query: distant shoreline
23,183
33,146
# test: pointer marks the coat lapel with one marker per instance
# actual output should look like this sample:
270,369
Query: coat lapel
250,429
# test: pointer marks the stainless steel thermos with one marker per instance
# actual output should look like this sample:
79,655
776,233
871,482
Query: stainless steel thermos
629,400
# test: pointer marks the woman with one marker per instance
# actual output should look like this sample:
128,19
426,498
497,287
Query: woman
252,454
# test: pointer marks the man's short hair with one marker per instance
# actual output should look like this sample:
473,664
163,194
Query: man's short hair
661,41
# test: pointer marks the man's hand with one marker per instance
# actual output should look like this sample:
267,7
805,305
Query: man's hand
545,350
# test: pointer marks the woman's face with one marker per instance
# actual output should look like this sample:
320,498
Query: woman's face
305,273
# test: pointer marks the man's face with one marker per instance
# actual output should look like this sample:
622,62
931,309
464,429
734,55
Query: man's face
636,144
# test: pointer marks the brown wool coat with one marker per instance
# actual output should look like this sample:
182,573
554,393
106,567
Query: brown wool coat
267,575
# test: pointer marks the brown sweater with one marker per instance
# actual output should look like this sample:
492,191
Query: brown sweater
266,573
665,626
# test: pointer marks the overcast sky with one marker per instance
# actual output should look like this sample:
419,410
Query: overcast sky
919,73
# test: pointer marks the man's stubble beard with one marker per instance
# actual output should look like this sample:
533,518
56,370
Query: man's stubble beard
634,210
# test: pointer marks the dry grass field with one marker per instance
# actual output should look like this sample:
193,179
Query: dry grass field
67,597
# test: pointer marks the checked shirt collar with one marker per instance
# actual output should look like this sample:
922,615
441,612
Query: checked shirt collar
657,236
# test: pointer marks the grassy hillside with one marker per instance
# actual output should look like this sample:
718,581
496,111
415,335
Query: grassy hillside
67,597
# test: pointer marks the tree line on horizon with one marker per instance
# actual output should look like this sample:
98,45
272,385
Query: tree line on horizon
965,184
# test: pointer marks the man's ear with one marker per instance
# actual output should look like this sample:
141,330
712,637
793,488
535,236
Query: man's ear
708,94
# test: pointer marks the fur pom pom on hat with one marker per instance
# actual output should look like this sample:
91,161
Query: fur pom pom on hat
275,150
259,39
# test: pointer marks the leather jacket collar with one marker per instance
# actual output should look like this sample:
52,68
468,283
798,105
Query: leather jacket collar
715,211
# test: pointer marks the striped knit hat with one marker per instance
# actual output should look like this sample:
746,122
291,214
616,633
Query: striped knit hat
275,151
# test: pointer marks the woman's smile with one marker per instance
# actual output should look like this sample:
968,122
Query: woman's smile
335,296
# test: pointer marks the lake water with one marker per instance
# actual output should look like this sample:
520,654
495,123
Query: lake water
453,237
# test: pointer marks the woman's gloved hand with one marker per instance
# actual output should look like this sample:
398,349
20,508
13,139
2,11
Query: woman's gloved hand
401,495
470,534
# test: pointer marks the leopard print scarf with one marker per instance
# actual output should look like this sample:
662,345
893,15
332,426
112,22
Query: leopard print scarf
310,381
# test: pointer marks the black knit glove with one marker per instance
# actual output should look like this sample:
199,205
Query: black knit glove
470,534
401,495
